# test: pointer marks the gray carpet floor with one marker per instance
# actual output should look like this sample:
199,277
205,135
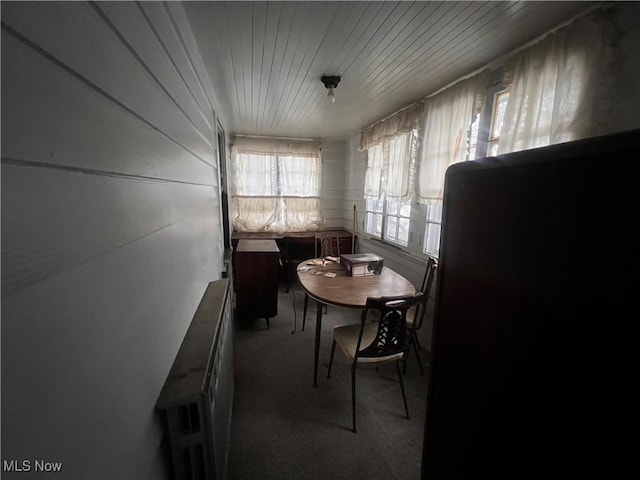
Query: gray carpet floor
284,428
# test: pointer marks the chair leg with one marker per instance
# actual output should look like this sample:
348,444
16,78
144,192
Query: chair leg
286,280
404,358
404,396
353,395
419,347
414,338
304,314
333,349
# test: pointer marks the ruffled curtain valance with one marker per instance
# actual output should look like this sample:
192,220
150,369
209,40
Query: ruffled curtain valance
400,123
274,146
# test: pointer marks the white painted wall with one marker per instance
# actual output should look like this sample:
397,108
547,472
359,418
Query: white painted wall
110,228
332,189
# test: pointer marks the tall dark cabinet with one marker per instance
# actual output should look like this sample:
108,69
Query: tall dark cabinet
257,271
536,295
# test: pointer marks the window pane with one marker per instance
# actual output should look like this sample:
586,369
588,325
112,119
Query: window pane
500,106
391,230
432,229
432,239
434,213
377,226
373,224
403,231
256,175
368,223
300,176
368,204
392,207
405,209
373,205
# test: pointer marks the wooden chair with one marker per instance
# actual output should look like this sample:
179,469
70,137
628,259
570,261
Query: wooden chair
415,317
374,343
327,244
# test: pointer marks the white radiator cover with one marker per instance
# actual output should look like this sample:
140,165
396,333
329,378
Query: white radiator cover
197,396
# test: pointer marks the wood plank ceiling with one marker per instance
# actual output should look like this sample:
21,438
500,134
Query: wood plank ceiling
265,59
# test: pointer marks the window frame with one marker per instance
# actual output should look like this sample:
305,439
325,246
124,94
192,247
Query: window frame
493,139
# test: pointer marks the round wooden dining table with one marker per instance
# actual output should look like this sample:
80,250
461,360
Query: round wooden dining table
329,283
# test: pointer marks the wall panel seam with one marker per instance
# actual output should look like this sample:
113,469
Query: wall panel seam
208,116
38,49
97,172
188,55
175,66
146,67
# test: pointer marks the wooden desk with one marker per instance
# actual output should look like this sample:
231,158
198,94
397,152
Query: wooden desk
294,246
257,269
345,291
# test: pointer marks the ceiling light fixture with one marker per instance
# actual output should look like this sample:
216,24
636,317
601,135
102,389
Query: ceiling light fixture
330,82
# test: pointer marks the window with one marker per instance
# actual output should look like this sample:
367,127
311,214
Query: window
396,216
277,186
500,102
387,211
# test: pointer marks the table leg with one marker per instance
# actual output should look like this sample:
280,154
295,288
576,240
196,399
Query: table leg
317,349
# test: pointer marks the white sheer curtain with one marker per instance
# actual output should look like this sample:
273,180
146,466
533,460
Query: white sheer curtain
373,173
276,185
390,146
447,120
557,87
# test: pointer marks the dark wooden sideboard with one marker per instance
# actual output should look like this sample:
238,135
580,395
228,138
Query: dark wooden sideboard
257,273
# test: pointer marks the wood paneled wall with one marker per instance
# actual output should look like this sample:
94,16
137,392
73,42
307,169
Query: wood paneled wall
354,172
332,183
110,227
